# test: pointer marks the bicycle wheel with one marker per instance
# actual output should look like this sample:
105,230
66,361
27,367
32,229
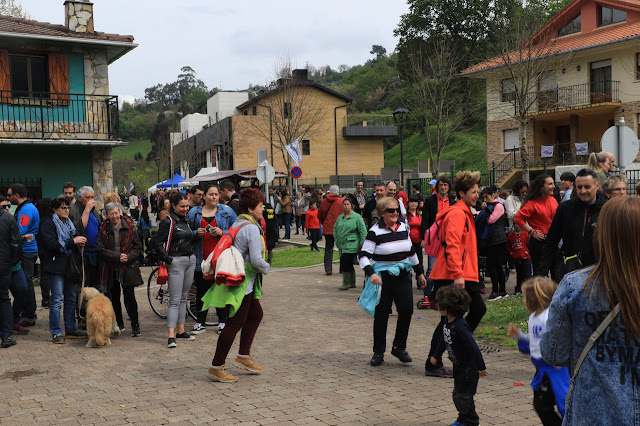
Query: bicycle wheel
212,317
158,295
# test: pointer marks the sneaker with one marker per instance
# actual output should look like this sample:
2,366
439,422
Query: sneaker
401,354
45,304
122,329
221,327
377,360
517,293
504,295
247,364
220,374
441,371
28,322
135,331
317,250
59,339
494,296
20,329
198,328
76,334
171,343
8,341
185,336
326,272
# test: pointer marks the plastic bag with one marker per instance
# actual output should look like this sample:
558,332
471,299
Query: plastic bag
370,297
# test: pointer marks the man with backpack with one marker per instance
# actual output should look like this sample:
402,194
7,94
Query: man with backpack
432,205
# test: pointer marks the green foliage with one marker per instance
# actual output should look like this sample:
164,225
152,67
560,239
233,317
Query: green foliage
493,329
294,257
132,149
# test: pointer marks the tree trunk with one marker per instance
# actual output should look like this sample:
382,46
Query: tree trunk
524,150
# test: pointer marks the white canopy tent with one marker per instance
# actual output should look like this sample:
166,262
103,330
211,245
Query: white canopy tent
194,180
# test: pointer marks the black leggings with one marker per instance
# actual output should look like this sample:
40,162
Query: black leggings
129,302
543,402
202,286
346,262
394,289
496,258
535,249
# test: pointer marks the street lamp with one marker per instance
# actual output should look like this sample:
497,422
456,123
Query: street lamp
158,164
401,116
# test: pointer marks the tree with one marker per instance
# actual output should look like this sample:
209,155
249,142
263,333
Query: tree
434,95
379,51
10,8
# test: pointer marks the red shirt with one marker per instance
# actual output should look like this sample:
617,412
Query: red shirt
443,203
312,219
209,242
414,222
402,196
517,246
538,213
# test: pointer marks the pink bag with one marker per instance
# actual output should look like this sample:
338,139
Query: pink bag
432,239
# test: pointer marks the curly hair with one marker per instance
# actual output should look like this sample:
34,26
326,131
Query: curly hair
537,188
453,299
517,187
465,180
249,199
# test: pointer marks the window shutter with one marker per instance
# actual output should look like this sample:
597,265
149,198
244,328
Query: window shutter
59,76
5,76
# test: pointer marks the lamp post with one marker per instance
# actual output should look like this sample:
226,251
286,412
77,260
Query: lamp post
270,129
400,116
158,164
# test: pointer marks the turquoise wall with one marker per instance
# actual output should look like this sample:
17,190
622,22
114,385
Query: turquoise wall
55,165
74,112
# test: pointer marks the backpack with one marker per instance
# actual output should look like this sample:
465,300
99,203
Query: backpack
483,229
225,242
433,239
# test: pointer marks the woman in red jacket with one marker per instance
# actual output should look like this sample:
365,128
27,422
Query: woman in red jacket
457,260
536,214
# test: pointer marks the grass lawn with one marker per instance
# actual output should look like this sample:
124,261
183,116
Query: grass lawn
494,325
128,152
298,256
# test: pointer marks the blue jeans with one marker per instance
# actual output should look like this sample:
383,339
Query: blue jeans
62,290
286,218
18,289
6,314
429,288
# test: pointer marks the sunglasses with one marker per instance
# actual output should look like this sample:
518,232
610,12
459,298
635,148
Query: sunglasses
391,211
5,206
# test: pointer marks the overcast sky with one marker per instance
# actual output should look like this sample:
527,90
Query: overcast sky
232,43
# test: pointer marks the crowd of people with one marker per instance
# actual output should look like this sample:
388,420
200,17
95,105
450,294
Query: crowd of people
582,234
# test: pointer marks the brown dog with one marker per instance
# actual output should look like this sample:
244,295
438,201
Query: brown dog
101,320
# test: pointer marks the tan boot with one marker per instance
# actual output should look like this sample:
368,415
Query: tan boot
247,364
220,374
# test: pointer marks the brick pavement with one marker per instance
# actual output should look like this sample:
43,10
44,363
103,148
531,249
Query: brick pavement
314,343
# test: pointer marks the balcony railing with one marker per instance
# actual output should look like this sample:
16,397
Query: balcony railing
59,116
370,120
369,125
574,96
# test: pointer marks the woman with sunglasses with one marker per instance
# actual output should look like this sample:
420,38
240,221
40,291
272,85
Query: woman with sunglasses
389,246
59,236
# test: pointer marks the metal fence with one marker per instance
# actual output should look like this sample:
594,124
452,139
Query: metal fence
633,177
33,184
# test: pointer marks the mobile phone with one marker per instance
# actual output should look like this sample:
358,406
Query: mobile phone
209,229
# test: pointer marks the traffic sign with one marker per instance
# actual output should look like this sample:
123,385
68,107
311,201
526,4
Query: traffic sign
296,172
622,142
266,173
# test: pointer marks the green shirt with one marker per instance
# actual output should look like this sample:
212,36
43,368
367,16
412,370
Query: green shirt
349,234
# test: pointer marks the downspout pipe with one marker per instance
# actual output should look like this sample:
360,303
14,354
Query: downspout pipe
335,124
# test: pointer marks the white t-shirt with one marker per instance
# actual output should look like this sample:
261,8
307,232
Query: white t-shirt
537,324
133,202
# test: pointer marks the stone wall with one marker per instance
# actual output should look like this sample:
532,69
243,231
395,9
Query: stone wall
79,16
495,142
102,168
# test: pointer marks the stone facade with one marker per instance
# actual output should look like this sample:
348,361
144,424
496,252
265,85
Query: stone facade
495,138
102,167
79,16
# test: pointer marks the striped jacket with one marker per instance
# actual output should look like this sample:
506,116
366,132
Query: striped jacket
387,246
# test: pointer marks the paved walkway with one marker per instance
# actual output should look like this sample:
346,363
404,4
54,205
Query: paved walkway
314,343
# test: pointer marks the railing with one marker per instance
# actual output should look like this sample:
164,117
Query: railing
573,96
370,120
59,116
633,177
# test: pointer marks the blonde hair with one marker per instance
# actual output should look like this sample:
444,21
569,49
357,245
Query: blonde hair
616,245
595,160
465,181
383,202
538,292
111,197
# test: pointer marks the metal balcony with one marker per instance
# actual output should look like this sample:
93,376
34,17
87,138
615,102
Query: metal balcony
369,125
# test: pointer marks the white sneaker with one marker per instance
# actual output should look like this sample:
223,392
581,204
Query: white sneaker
494,296
198,328
221,327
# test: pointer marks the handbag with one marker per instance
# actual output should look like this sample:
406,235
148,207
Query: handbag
75,266
163,274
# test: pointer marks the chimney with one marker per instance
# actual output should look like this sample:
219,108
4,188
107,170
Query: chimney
300,75
78,16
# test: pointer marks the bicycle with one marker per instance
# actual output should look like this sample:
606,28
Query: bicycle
158,295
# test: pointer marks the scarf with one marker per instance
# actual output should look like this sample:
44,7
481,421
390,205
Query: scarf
251,219
125,246
65,230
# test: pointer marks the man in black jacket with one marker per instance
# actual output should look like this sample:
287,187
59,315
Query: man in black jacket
9,252
574,223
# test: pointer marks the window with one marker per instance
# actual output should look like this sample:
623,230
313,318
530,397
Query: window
608,16
508,90
573,26
254,110
306,149
29,76
245,112
287,110
637,66
511,139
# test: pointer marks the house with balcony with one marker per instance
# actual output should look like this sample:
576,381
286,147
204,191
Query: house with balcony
339,144
593,80
58,119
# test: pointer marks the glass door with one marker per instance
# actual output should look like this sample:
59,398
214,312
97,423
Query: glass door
601,82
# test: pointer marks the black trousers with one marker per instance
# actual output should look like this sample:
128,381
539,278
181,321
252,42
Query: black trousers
543,402
129,301
328,253
202,286
465,385
394,289
417,247
535,249
346,262
477,309
496,259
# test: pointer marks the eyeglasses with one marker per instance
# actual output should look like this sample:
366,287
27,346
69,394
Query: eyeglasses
391,211
5,206
63,208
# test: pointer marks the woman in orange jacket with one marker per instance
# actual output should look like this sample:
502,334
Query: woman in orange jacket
457,260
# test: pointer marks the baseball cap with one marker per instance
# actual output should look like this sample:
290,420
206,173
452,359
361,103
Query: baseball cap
433,182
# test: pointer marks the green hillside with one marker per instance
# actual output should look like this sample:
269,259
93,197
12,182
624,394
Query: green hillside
129,151
467,149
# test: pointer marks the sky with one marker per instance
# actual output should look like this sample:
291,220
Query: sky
231,44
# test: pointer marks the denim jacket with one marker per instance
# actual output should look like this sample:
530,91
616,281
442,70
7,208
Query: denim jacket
225,217
606,389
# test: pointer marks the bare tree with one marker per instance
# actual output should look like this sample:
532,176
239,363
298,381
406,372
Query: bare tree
525,56
435,96
10,8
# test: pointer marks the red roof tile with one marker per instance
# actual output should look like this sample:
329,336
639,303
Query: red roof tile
25,26
572,42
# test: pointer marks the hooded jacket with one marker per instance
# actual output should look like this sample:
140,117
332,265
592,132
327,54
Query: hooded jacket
9,242
459,256
330,209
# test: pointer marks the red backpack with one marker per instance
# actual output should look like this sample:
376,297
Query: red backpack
433,239
224,243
